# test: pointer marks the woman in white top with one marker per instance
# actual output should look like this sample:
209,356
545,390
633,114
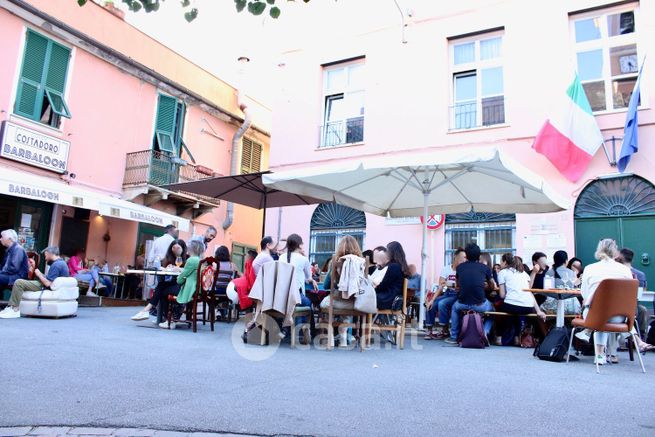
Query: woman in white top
302,269
605,268
512,280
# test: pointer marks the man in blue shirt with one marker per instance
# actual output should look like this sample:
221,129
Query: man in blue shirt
627,256
14,265
58,268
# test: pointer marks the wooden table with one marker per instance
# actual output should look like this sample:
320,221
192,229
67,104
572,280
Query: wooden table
560,295
147,272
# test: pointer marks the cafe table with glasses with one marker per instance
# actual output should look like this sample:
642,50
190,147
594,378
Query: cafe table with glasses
560,294
152,272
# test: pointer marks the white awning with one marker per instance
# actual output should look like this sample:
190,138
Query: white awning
119,208
31,186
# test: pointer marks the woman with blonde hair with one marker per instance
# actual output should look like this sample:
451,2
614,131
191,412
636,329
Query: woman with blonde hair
594,274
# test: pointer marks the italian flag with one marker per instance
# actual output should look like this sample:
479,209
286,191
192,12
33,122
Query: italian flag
570,139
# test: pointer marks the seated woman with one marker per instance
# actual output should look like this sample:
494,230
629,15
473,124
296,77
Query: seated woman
347,246
175,258
562,277
392,285
381,259
512,280
227,270
238,290
575,265
78,271
606,268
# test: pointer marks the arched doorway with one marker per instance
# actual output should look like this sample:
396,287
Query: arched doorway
622,208
329,223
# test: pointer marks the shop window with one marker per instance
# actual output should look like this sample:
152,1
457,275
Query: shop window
331,222
42,83
251,156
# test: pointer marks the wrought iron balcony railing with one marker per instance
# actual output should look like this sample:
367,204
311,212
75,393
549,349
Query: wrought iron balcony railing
151,167
337,133
486,112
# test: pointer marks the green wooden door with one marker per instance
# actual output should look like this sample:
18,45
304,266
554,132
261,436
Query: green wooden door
588,232
636,233
639,235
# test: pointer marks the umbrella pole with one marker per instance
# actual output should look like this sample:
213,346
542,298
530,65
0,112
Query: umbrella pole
264,218
424,261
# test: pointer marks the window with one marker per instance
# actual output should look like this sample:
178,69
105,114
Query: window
169,125
251,156
606,56
494,233
331,222
239,252
42,83
477,87
343,99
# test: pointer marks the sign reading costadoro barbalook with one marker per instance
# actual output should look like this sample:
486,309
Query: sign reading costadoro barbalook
34,148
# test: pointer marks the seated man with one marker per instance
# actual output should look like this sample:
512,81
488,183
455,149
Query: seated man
15,264
58,268
472,276
442,301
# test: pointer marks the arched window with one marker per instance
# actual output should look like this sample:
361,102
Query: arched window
494,233
329,223
621,196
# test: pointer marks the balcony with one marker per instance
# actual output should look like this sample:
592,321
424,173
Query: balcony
486,112
148,171
343,132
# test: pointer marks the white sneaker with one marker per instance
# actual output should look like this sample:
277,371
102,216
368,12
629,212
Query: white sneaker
164,325
141,315
91,294
600,359
9,313
583,335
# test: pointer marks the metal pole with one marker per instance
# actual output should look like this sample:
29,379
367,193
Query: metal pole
264,217
424,260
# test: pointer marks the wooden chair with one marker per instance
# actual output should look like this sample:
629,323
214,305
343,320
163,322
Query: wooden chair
219,297
205,280
272,314
613,297
359,325
398,325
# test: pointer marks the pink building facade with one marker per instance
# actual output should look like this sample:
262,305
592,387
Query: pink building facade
476,73
97,119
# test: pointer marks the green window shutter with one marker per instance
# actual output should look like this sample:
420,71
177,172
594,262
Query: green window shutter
57,68
29,97
43,74
57,103
165,124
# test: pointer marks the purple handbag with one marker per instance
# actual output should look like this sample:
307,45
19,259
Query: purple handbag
472,334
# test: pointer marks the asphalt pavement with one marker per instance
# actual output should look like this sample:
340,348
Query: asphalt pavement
101,369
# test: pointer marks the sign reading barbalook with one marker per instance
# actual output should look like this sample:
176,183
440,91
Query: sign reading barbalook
34,148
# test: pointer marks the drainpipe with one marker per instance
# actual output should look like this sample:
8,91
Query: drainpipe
234,167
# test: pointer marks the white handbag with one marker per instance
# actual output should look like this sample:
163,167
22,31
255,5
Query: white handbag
365,299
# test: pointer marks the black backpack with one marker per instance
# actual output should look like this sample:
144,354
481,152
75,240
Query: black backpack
554,346
651,333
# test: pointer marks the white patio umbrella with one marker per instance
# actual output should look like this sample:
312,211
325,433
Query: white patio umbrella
446,180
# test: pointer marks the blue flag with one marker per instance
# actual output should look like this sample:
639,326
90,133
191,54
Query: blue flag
630,144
